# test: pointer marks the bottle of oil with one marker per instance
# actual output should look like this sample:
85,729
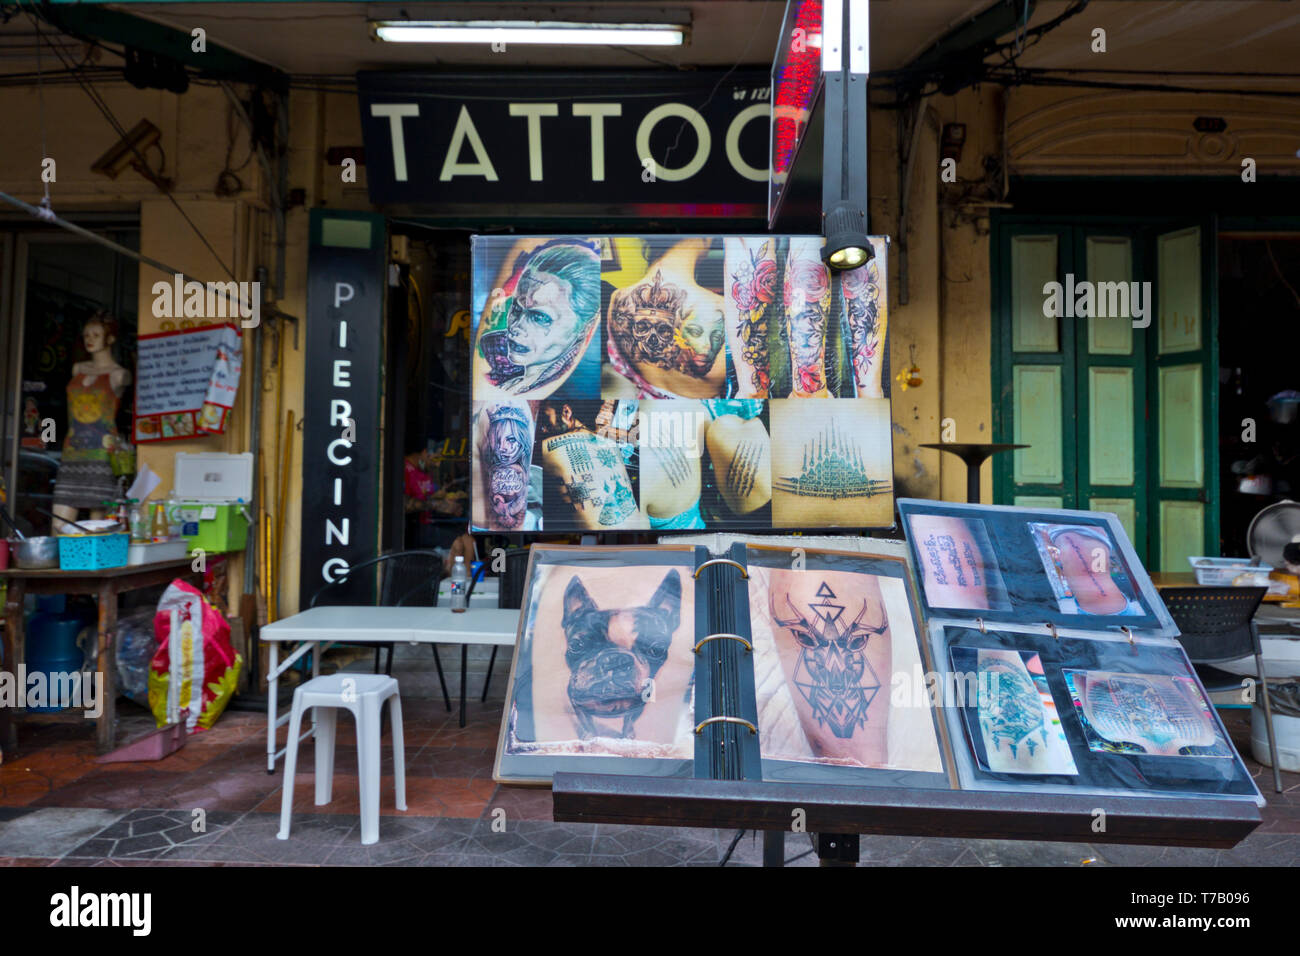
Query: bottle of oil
158,530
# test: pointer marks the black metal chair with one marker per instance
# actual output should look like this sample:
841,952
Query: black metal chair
509,595
406,579
1217,626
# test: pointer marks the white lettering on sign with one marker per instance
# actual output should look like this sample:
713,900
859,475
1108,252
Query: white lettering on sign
451,164
465,135
340,412
704,139
343,292
333,569
333,530
597,113
343,333
534,113
341,375
329,451
338,491
395,112
755,173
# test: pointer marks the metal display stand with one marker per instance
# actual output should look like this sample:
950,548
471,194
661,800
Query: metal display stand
840,814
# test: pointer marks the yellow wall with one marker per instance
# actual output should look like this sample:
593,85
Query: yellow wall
946,319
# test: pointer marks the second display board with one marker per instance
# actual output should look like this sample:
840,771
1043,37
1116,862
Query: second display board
662,383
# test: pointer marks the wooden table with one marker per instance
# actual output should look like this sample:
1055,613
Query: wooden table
105,585
349,624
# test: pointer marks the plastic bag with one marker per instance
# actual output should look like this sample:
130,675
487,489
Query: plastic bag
135,647
195,668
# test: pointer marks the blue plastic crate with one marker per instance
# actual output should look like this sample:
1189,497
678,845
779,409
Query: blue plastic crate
92,552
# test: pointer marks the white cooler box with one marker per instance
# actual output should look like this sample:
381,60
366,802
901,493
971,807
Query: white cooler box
215,493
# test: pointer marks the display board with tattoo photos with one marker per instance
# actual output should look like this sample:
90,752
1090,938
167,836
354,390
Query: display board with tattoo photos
770,664
664,383
1059,668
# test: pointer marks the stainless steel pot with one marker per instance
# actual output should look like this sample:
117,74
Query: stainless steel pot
35,553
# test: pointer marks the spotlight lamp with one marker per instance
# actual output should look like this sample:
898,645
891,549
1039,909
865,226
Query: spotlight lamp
847,246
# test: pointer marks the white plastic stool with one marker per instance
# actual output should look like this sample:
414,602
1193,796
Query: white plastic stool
363,694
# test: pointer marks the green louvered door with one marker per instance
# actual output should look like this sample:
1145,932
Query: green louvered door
1036,394
1110,397
1183,396
1117,415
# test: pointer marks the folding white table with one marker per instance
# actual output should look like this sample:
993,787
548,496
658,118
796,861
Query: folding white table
322,626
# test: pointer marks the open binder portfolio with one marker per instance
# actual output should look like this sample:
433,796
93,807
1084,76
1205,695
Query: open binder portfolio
1017,650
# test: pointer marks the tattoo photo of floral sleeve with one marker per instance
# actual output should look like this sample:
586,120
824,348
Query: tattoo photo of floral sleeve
752,292
862,310
807,300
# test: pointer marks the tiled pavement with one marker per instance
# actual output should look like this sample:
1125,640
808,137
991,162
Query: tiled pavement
212,803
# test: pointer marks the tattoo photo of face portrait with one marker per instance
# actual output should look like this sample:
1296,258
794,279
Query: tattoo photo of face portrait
828,647
1084,568
502,452
1010,715
832,463
589,471
1144,713
667,331
607,658
539,320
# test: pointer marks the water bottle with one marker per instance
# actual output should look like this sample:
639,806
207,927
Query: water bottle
459,585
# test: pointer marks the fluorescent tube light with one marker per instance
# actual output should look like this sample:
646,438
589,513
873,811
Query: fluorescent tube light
555,33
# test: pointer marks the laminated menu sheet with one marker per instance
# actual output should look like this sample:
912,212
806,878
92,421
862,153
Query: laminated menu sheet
186,382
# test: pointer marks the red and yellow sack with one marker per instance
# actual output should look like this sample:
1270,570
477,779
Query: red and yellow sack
195,668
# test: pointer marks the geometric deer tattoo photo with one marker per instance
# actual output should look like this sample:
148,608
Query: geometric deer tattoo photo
833,674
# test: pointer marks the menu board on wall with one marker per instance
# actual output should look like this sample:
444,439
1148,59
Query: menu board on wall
186,382
678,382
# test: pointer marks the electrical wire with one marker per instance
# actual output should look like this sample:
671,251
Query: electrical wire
108,114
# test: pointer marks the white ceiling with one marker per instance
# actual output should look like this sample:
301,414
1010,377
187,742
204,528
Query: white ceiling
1252,36
332,38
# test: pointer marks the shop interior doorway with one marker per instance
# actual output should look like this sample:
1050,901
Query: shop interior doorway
1259,376
426,388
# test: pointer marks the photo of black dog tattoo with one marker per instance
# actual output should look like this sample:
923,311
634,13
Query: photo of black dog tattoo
613,655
